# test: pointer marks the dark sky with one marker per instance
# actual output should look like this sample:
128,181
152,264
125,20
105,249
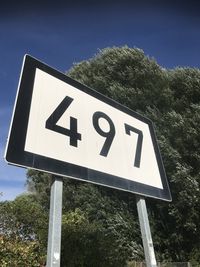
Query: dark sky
61,33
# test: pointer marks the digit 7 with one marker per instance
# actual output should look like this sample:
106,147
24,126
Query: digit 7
138,152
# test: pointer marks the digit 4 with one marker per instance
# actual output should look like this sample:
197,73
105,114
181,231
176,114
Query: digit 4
74,136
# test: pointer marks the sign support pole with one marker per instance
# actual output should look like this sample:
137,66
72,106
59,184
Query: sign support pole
146,232
55,221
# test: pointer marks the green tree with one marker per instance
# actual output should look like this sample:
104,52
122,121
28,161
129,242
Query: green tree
179,139
22,232
97,228
109,232
171,98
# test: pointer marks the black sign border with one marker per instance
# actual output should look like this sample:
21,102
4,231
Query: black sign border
16,155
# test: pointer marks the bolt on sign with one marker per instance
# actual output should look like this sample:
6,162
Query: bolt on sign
62,127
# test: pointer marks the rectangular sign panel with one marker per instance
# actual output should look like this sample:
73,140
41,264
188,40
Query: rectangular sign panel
65,128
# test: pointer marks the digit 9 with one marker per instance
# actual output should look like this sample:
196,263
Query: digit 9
109,135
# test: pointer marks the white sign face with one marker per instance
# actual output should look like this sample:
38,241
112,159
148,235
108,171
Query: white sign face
73,131
99,138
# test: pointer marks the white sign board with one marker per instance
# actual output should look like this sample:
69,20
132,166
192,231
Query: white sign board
65,128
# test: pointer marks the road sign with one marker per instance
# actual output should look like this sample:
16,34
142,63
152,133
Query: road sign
65,128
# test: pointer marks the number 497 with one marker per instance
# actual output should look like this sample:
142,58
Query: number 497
109,135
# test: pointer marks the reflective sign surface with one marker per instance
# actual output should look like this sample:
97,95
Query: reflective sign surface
63,127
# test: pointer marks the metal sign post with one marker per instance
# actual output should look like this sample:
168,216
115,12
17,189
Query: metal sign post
84,135
146,232
55,221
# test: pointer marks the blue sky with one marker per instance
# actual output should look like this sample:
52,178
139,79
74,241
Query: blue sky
63,33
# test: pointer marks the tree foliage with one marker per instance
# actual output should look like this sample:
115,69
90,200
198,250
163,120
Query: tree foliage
103,224
22,232
16,253
171,98
97,227
100,225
